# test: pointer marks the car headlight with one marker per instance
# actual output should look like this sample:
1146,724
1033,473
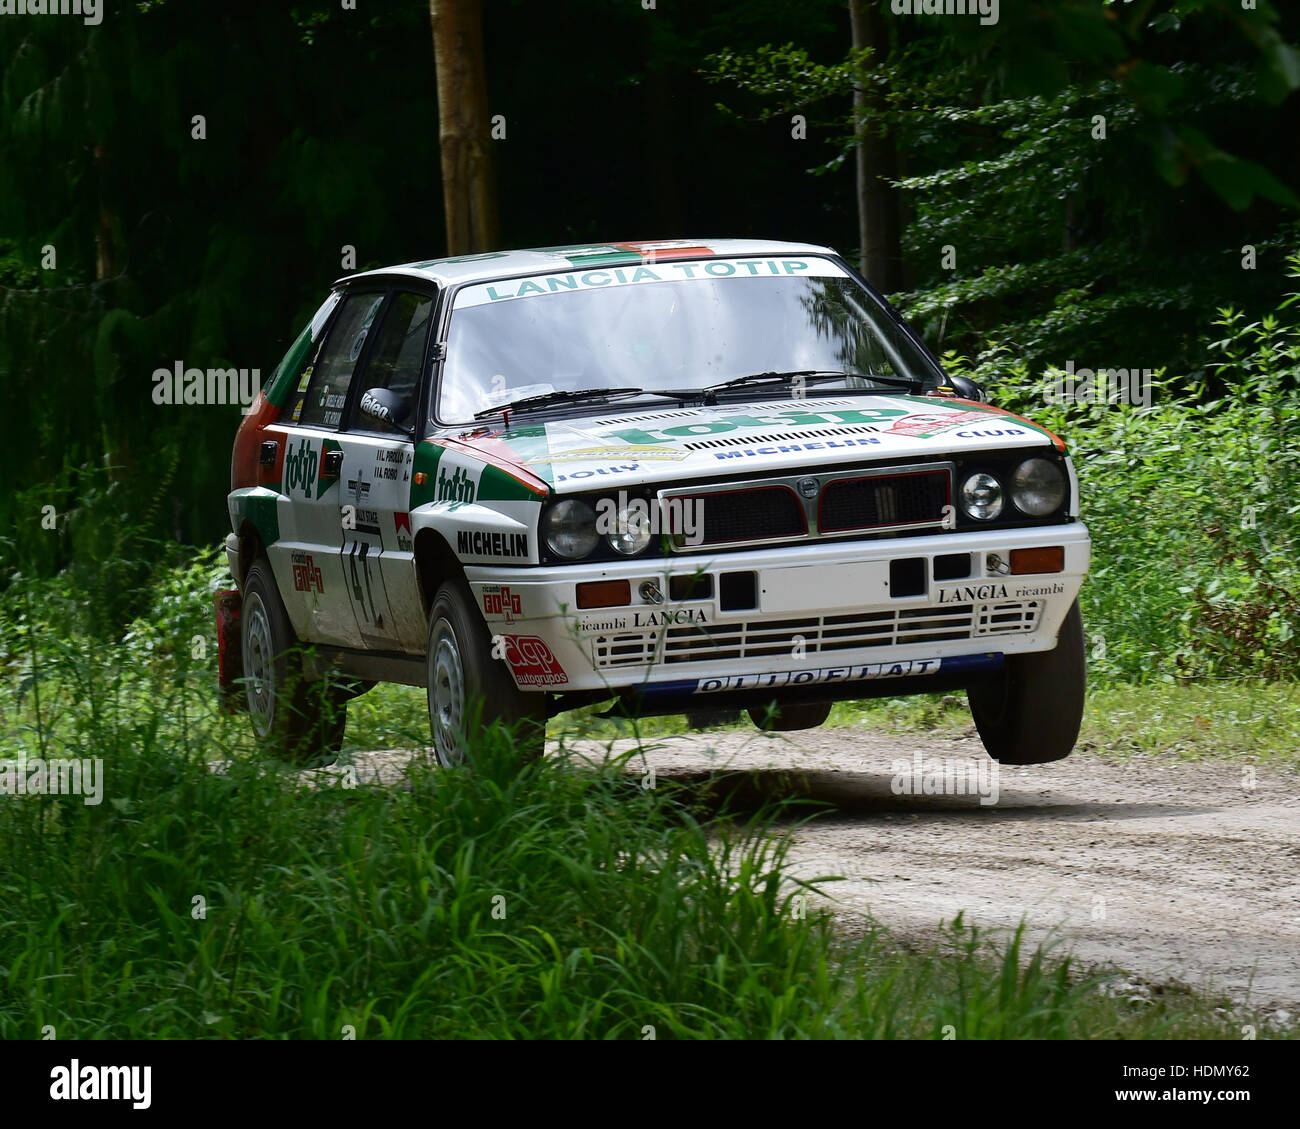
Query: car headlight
569,529
1038,487
981,496
631,533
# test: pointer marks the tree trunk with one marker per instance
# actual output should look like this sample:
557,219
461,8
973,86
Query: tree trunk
464,129
879,230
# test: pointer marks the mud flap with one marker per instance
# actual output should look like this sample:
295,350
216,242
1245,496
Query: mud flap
230,653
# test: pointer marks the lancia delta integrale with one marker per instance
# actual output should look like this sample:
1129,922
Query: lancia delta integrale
676,476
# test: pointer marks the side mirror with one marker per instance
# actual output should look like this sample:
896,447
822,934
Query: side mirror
387,407
967,389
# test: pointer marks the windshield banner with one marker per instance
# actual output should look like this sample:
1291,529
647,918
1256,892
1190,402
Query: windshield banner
504,290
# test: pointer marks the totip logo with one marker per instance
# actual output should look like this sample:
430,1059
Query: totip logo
457,488
300,467
304,467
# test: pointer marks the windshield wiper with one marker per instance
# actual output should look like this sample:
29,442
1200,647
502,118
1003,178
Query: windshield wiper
559,396
815,376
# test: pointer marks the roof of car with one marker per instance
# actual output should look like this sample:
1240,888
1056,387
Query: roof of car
535,260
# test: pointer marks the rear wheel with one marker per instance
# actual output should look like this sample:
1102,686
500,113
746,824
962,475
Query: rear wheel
789,716
293,719
1030,712
468,686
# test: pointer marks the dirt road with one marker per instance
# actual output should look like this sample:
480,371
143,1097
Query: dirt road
1169,870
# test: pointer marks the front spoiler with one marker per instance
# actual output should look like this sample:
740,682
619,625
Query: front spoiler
683,695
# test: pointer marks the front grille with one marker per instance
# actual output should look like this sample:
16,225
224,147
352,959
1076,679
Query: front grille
812,635
886,501
760,514
879,501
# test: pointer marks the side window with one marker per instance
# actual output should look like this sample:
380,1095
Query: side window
331,374
397,360
301,355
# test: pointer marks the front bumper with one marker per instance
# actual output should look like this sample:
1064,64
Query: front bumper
814,618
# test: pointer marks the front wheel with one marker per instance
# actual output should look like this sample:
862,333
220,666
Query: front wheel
1030,711
468,685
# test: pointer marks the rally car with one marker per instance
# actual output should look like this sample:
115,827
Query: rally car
675,477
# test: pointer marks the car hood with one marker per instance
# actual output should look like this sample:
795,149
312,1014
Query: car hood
766,437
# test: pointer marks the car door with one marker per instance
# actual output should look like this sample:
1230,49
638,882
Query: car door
305,560
376,552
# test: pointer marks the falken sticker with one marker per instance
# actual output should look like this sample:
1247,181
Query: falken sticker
531,661
859,672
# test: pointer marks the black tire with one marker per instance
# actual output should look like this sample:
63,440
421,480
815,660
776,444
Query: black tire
1030,712
294,720
790,716
468,685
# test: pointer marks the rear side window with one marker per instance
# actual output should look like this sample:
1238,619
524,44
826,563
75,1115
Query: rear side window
397,360
327,380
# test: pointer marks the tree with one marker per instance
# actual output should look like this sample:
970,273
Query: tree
468,179
1067,186
877,162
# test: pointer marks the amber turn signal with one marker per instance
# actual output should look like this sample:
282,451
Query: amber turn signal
604,594
1037,560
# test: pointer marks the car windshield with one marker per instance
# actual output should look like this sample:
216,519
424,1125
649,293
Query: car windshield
668,325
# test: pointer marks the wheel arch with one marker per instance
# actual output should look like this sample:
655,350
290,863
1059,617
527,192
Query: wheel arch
435,561
250,548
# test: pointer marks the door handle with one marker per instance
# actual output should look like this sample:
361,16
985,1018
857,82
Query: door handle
332,464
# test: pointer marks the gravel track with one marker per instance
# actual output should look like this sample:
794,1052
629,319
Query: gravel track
1172,871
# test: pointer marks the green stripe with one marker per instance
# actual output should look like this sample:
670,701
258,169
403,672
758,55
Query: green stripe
427,457
255,505
281,382
498,486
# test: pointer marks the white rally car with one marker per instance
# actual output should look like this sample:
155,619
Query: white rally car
680,475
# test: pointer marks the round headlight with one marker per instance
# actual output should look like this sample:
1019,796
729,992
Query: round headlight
1038,487
631,533
569,529
981,496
